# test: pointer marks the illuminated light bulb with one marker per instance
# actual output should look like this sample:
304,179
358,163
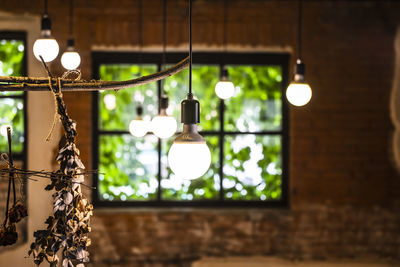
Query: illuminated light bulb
70,59
139,127
162,125
299,93
189,156
47,47
224,88
3,129
109,101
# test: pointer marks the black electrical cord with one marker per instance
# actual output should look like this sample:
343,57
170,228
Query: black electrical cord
225,34
190,49
71,18
45,8
300,28
140,31
164,36
164,32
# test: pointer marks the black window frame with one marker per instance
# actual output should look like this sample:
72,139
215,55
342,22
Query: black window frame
20,36
208,58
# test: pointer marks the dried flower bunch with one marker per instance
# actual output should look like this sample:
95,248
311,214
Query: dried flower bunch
68,227
8,232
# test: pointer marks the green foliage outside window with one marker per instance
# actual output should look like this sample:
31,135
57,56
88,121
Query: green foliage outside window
252,159
11,108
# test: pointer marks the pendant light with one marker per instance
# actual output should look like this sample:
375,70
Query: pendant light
189,156
46,46
299,91
70,58
139,127
163,125
225,88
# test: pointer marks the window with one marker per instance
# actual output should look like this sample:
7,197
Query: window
247,134
13,113
12,104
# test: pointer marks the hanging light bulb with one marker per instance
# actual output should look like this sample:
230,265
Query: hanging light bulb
299,92
139,127
224,88
110,101
189,156
163,126
70,59
46,46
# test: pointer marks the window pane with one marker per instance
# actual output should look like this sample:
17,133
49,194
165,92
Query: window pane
12,113
252,167
117,109
128,167
204,80
257,104
11,60
205,187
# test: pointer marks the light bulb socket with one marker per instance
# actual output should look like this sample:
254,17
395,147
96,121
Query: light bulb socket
300,67
139,111
299,70
163,102
189,135
190,110
224,74
46,23
70,43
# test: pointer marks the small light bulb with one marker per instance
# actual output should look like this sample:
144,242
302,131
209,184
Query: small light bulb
3,129
47,48
189,160
298,94
138,127
109,101
224,89
163,126
70,60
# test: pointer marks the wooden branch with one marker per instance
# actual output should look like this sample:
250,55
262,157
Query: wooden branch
42,84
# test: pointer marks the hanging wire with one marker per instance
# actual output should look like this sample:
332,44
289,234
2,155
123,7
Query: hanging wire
190,48
164,32
140,44
45,8
71,17
300,28
164,35
140,26
225,34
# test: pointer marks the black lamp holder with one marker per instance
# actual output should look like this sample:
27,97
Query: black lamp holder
139,111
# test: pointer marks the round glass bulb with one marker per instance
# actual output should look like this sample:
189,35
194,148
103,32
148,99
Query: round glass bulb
163,126
298,94
138,127
70,60
47,48
189,160
224,89
3,129
110,101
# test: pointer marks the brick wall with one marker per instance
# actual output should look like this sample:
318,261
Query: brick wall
344,190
